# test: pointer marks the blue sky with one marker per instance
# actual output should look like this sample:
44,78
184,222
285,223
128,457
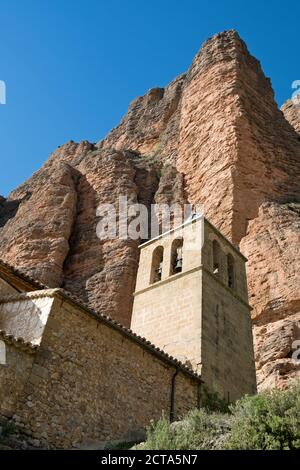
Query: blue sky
71,67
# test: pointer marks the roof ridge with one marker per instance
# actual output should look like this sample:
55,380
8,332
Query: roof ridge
23,296
18,341
23,275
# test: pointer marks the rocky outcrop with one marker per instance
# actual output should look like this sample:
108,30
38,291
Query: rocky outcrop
151,125
215,137
224,129
103,271
235,148
272,245
274,352
36,238
291,111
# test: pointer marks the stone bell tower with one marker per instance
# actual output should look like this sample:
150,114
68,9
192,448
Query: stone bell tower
191,300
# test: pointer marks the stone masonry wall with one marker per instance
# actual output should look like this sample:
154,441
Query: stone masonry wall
13,376
227,344
168,313
91,383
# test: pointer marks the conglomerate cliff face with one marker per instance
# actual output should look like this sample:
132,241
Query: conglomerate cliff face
214,136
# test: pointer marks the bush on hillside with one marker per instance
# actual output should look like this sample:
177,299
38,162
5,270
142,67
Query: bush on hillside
267,421
200,430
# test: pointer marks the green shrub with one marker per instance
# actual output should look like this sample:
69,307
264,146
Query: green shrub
200,430
267,421
147,158
159,436
213,402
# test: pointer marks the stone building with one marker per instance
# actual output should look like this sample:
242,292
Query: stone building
72,377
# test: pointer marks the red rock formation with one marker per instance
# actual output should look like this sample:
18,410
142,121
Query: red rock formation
272,245
214,136
234,146
37,237
151,125
103,271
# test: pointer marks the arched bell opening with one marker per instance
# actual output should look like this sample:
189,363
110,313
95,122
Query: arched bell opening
176,256
157,264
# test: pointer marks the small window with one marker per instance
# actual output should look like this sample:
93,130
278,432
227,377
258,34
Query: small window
157,264
176,256
216,258
230,271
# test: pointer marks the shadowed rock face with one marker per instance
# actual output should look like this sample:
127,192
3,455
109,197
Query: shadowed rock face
214,136
8,209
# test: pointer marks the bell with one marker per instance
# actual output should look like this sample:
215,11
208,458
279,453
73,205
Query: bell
178,265
159,272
